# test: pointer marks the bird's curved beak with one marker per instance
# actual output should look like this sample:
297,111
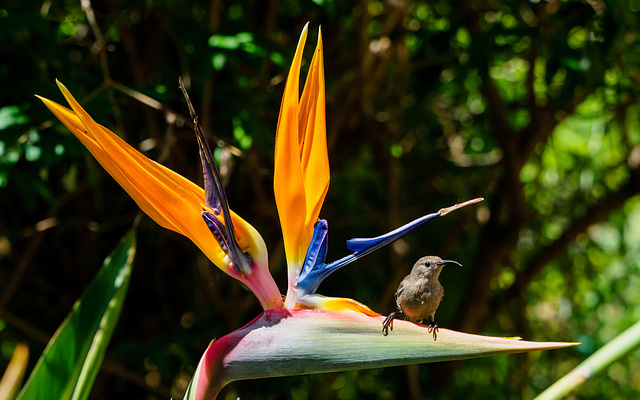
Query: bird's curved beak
442,262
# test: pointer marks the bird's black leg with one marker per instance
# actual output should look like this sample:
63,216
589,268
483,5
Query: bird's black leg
387,324
433,327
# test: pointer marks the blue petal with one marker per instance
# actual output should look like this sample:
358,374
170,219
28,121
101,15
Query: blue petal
213,190
314,270
317,250
240,261
369,245
216,198
217,229
211,196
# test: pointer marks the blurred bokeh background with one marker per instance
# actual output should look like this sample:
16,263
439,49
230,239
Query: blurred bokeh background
532,105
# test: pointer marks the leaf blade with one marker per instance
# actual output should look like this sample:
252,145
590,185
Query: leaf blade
617,349
72,359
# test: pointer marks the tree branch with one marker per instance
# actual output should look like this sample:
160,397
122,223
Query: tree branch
595,214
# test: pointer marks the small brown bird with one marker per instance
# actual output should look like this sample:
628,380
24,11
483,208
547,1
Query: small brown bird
420,293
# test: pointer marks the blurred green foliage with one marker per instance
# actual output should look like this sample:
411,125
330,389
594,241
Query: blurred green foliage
530,104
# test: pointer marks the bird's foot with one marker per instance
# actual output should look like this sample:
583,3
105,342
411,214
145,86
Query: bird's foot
433,328
388,324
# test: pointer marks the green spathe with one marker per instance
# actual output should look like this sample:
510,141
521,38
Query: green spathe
294,342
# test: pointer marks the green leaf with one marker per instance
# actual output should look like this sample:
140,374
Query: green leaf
70,363
11,115
610,353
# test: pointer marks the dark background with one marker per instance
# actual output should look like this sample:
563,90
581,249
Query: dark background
530,104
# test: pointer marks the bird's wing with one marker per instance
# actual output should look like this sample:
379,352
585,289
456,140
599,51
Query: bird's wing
398,293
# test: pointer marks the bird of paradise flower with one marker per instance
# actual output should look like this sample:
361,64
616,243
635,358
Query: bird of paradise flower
306,332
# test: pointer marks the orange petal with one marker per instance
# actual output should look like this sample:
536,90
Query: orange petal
288,180
301,176
319,302
313,131
171,200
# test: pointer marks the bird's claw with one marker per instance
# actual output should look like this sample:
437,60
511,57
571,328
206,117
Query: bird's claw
433,328
387,324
